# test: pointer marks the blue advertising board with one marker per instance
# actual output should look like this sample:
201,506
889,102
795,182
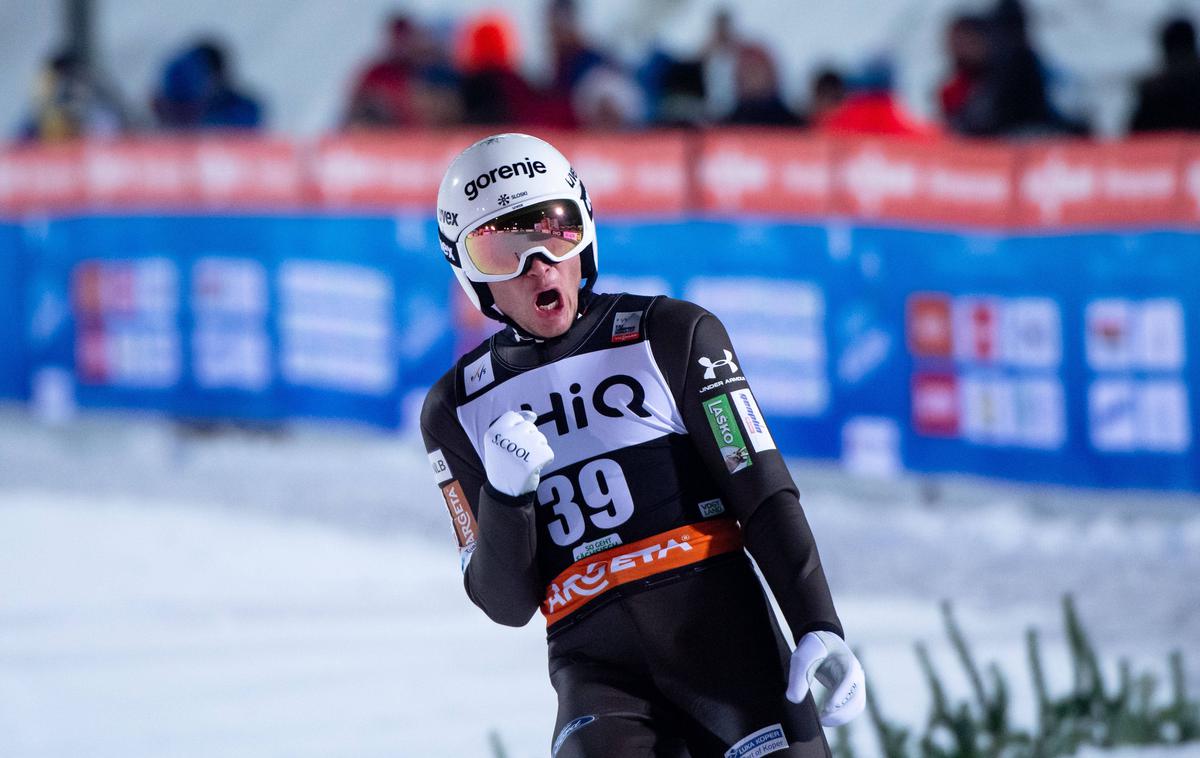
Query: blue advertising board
13,369
1057,358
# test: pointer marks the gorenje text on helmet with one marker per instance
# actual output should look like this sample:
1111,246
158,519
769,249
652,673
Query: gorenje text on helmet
508,171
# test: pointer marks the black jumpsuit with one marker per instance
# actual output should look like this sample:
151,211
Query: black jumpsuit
661,640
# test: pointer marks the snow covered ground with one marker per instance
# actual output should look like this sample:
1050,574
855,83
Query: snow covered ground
299,595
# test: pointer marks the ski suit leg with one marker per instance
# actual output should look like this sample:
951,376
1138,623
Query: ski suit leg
694,667
725,668
601,714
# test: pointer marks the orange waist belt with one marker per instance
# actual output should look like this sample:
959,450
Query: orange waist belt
591,577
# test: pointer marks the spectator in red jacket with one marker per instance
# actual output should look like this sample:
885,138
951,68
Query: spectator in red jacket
967,44
871,107
381,94
410,84
828,90
492,90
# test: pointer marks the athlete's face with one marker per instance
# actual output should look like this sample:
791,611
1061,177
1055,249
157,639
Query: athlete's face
543,300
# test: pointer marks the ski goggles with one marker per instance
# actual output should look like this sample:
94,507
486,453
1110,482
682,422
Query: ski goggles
498,248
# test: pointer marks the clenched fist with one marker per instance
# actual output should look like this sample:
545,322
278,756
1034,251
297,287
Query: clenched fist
514,453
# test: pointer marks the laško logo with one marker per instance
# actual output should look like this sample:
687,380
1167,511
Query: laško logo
726,433
507,171
719,408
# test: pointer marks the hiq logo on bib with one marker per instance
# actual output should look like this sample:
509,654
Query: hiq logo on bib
615,404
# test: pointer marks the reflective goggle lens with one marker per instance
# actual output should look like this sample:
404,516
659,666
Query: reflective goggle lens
496,247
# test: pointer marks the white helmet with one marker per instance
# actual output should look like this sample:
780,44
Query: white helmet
504,199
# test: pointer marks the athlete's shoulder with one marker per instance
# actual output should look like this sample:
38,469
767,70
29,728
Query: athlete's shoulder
471,370
439,401
674,322
668,310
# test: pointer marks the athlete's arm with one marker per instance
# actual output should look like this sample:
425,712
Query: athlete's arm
723,419
496,534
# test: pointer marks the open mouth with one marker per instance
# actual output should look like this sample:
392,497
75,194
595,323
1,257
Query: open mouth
548,300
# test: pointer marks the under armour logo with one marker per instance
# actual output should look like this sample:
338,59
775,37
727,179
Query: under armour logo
711,366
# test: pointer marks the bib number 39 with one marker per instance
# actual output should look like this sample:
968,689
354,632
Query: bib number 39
604,491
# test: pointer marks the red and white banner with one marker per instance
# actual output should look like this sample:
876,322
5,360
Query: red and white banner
781,173
41,178
172,173
631,174
767,171
1190,210
945,183
1098,185
383,170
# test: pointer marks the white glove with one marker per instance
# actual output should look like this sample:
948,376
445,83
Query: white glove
826,656
514,453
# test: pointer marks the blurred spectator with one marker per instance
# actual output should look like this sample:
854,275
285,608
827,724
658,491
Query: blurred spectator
606,98
436,98
967,44
871,107
1010,98
70,101
409,84
197,93
492,90
828,92
676,90
1170,99
573,60
381,94
757,88
720,60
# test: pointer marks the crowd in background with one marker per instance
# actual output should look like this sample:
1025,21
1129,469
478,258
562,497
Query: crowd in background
997,86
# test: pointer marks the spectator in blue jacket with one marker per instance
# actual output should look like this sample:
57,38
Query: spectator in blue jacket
197,92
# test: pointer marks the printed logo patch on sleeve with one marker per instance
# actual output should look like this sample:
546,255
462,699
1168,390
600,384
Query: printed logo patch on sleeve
752,419
710,508
627,326
769,739
570,728
478,373
441,469
728,436
465,529
710,366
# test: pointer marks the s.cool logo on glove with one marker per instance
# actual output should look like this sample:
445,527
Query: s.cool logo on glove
515,452
509,446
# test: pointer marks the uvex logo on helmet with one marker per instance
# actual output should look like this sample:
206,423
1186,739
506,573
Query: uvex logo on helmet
507,171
